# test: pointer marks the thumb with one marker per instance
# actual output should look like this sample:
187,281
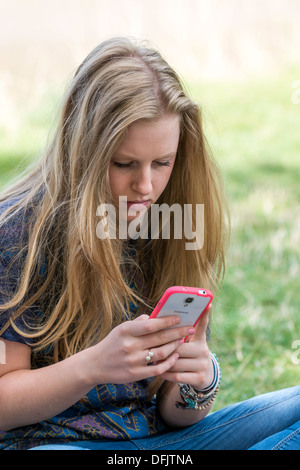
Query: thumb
201,327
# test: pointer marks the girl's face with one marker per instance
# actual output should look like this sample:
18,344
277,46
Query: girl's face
142,165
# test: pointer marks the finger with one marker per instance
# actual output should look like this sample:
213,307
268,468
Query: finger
161,367
155,355
163,337
142,326
183,377
185,365
141,317
201,327
157,331
193,349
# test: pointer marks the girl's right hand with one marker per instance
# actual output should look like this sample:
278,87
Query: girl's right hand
121,356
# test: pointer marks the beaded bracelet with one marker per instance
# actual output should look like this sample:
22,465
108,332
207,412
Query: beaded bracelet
201,399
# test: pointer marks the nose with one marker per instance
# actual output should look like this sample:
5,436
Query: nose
142,181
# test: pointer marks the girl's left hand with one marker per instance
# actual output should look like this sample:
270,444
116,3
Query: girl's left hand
194,365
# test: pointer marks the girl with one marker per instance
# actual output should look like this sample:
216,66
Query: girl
84,366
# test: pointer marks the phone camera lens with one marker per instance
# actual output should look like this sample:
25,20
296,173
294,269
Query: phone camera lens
189,300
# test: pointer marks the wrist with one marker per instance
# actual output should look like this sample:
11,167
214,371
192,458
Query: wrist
215,377
85,368
201,399
209,377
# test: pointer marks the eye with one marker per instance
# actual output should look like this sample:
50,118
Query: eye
122,165
163,163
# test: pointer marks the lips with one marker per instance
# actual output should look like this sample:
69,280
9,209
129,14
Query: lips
138,205
138,202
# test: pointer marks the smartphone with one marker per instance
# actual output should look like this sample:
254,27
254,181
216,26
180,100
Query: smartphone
187,302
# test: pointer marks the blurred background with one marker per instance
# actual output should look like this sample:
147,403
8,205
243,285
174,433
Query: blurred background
240,60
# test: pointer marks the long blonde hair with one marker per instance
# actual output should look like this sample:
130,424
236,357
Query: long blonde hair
86,278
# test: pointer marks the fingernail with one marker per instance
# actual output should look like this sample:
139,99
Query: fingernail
191,331
181,341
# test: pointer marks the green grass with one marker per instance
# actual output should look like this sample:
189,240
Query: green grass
253,129
254,133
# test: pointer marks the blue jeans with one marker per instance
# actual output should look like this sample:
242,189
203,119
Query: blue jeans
265,422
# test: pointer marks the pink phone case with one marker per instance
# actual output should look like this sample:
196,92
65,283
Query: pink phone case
187,302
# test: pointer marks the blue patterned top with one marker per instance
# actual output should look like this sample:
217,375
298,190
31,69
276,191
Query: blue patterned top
109,411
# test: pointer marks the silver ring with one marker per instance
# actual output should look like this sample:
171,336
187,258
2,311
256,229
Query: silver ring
149,356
